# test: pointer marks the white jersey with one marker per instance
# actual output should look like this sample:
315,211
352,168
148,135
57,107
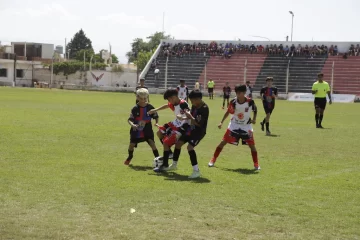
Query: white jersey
248,91
180,110
241,118
183,92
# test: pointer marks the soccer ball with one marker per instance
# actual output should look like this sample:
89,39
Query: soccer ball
158,161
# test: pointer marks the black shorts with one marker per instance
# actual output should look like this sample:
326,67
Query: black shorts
268,110
192,139
226,96
210,90
145,137
320,103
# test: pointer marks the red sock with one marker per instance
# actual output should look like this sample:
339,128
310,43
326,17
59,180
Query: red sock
217,152
255,158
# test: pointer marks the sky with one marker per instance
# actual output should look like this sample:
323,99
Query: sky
119,21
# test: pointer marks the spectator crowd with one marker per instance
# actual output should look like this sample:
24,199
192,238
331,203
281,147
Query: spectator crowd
226,50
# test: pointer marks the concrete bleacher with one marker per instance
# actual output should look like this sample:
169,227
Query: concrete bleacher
188,68
346,74
232,70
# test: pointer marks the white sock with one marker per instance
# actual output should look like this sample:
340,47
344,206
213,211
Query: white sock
174,163
196,168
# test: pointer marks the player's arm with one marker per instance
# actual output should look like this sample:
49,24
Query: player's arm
262,92
152,111
254,108
154,116
313,89
131,120
276,92
187,93
223,119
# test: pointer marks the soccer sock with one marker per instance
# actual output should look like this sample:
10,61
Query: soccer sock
193,160
263,122
176,154
217,152
255,158
317,118
224,103
166,158
267,126
320,118
130,156
156,153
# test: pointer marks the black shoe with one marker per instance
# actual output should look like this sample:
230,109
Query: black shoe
262,126
317,125
320,126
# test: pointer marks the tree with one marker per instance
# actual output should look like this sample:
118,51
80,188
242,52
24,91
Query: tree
142,58
88,54
77,43
139,45
114,58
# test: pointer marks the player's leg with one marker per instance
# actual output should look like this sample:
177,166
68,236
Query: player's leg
176,155
267,121
151,143
130,152
217,152
193,159
317,111
228,102
223,102
321,112
251,143
161,134
168,141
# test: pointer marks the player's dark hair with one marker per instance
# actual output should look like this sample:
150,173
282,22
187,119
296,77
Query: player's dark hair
269,79
240,88
195,94
170,92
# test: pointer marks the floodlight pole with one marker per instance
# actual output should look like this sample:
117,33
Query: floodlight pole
292,24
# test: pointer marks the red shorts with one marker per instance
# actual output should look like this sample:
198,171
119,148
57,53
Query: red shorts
232,140
170,132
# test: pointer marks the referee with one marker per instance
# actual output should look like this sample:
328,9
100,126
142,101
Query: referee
320,89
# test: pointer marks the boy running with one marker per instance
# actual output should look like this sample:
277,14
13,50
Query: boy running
268,95
226,96
183,90
140,122
170,132
198,115
240,126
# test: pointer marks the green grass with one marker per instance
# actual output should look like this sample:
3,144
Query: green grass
62,174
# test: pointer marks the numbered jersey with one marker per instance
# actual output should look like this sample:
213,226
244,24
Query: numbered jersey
183,92
179,110
241,113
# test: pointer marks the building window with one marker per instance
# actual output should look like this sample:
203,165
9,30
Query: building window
19,73
3,72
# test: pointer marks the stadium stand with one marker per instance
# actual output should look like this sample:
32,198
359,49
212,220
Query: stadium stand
293,66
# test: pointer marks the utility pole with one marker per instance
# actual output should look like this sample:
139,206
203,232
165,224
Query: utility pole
14,79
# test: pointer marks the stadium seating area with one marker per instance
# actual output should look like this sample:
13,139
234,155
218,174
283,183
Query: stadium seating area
235,63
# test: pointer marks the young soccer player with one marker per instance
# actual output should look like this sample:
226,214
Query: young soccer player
170,132
268,95
183,90
240,126
248,90
140,122
320,89
198,115
226,96
141,85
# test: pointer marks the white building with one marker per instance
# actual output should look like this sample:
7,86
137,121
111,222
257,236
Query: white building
17,62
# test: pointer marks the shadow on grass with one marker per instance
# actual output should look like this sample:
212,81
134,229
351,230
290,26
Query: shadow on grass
172,176
140,168
272,135
244,171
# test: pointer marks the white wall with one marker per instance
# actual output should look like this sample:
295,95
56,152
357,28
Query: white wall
47,51
9,65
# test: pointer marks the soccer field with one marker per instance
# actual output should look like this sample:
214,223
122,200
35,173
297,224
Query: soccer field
62,174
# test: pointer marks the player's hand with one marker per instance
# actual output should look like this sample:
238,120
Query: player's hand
220,125
152,111
253,121
157,125
179,117
188,114
134,127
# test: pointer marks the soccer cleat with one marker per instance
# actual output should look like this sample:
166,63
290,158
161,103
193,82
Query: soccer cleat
262,126
317,125
127,162
320,126
268,133
212,162
172,167
160,169
195,174
171,155
257,167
